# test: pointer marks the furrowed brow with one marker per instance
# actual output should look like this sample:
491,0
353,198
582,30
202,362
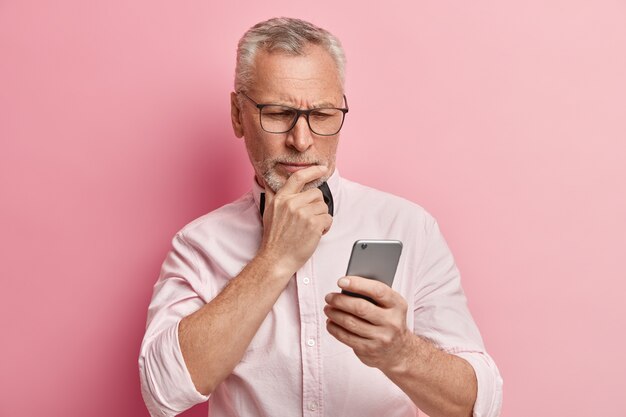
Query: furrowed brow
318,105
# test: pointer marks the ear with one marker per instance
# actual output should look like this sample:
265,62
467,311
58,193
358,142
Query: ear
236,115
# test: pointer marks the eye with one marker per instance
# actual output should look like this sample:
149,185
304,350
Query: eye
322,114
278,112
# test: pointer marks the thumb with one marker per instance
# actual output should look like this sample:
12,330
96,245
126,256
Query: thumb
269,196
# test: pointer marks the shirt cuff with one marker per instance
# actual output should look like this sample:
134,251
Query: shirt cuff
489,396
166,384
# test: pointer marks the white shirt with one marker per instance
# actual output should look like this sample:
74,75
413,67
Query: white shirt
293,366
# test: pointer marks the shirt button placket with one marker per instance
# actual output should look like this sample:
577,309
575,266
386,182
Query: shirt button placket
311,368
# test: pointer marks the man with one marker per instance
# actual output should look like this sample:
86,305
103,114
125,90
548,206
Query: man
247,312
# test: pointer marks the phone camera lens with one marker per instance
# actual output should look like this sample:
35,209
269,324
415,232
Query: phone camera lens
363,245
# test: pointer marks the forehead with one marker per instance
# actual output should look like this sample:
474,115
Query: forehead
311,78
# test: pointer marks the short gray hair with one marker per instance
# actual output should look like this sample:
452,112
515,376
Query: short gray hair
286,35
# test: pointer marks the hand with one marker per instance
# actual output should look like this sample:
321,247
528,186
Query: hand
378,334
294,220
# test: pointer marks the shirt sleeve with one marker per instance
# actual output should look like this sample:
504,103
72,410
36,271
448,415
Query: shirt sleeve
441,315
166,384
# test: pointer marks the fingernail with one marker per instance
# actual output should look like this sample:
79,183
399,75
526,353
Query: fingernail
343,282
327,298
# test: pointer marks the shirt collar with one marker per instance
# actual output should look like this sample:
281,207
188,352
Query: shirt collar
334,183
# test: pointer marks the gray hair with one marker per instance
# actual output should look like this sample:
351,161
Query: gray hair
287,35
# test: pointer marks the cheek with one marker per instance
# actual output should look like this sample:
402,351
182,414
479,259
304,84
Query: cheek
260,148
329,149
253,137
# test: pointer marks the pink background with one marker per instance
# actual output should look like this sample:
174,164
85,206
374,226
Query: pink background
506,120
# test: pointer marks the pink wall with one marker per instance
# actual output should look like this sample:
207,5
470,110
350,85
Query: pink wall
506,121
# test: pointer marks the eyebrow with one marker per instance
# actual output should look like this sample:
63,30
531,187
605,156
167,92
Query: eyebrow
324,104
320,105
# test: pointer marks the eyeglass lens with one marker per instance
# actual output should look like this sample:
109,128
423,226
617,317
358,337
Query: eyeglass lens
280,119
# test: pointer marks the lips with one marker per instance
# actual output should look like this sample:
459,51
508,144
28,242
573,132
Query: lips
293,167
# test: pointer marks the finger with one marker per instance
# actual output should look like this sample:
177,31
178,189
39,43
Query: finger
327,222
296,181
309,196
304,199
344,336
357,307
376,290
269,195
351,323
315,209
322,221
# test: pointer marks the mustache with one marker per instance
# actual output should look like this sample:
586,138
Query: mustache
296,159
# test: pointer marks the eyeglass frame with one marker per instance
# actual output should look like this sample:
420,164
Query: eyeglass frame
299,113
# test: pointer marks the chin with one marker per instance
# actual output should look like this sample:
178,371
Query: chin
276,181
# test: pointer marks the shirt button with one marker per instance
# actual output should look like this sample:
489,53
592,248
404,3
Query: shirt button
312,406
306,280
311,342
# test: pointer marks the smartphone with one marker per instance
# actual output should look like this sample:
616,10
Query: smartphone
374,259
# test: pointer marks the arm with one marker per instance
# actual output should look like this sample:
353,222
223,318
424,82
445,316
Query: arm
293,225
455,364
439,383
210,342
204,343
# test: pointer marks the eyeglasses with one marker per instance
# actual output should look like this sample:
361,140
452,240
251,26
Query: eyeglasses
323,121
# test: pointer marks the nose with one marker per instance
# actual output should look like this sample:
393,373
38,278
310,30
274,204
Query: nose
300,137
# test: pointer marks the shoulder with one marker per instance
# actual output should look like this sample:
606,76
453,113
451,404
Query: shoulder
240,213
362,197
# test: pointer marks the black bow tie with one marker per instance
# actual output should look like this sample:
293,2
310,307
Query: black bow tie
324,188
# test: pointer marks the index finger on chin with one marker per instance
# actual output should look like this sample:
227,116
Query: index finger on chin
296,182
